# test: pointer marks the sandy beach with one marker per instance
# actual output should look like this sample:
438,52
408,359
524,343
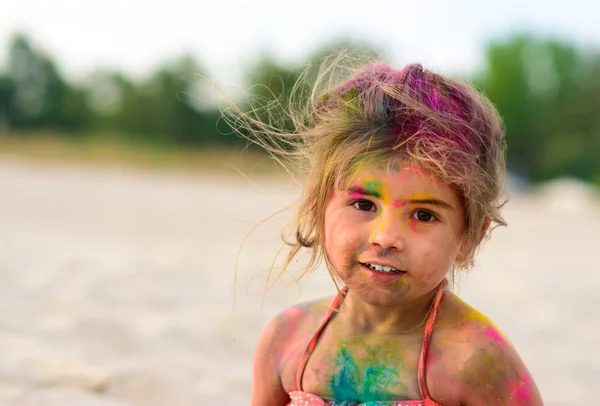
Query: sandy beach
117,285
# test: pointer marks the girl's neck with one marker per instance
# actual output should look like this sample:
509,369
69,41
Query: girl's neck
362,318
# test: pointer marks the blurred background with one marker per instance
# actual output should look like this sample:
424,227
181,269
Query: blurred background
125,201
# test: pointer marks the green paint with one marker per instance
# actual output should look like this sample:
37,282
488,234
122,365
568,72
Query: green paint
344,385
351,102
361,384
375,187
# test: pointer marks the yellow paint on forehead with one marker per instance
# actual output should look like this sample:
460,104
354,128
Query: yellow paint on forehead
363,175
422,196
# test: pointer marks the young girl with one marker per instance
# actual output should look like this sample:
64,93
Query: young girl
406,177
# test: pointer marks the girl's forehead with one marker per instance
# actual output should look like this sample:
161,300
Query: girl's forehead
399,180
391,172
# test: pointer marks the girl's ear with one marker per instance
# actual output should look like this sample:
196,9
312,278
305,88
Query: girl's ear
463,259
484,228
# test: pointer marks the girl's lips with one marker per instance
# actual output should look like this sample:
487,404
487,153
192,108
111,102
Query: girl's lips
381,275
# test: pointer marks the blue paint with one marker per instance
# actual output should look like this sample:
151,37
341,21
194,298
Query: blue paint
350,384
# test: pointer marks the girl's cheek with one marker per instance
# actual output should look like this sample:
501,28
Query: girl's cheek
414,224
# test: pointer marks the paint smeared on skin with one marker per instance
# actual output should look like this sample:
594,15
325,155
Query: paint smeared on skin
496,335
476,320
292,315
413,224
399,203
521,391
350,385
375,186
357,194
344,385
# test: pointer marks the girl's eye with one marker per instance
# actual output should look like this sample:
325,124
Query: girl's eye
363,205
424,216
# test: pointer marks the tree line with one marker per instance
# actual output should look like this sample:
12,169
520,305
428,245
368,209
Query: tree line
547,90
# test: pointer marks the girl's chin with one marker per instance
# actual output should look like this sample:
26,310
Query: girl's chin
383,292
379,297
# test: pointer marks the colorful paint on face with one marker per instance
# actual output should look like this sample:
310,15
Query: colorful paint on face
350,384
414,224
385,229
399,203
374,186
366,188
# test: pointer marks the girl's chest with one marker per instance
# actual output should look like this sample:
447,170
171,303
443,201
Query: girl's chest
364,369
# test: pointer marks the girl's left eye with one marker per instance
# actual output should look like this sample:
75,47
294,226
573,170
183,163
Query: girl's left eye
363,205
424,216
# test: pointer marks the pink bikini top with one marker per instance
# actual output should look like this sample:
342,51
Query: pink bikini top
301,398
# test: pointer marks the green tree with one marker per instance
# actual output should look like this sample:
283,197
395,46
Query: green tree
547,92
34,93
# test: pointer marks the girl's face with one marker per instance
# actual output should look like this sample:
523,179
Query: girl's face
401,218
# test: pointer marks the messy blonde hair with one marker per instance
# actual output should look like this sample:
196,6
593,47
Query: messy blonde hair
356,114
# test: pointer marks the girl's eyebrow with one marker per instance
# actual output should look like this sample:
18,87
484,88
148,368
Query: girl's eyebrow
434,202
363,191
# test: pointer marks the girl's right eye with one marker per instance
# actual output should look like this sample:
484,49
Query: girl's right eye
363,205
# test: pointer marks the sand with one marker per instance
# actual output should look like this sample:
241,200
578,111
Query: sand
117,285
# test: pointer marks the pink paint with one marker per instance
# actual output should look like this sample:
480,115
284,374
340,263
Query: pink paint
399,203
413,224
293,316
358,192
521,392
495,335
356,195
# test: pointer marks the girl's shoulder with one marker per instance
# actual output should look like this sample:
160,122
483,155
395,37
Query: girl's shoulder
476,359
294,326
284,340
468,331
300,319
461,320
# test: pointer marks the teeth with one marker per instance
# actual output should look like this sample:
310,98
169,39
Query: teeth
380,268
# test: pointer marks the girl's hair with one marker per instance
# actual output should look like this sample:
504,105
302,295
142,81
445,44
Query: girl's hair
352,115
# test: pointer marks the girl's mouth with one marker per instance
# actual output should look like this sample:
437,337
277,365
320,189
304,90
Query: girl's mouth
379,271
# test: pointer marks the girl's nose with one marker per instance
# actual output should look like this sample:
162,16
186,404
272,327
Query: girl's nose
387,232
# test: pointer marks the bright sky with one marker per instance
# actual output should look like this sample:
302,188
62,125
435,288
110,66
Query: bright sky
135,35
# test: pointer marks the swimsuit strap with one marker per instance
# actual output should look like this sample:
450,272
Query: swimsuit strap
313,342
426,338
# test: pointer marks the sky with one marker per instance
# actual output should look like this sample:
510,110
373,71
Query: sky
225,35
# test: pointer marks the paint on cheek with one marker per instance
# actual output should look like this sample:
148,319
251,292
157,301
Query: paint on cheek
413,224
362,275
